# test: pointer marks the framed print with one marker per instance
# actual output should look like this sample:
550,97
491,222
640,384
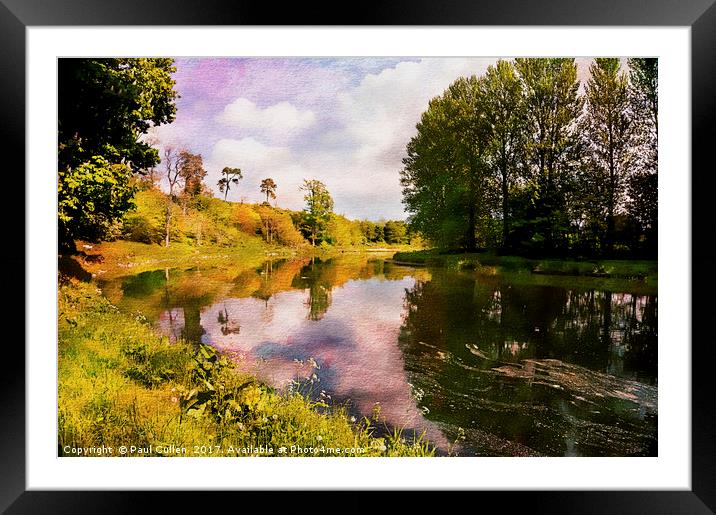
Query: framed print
432,242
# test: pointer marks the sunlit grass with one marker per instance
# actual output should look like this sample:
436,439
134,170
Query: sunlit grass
122,384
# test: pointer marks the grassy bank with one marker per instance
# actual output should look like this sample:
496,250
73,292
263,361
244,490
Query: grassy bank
112,259
637,269
117,258
121,384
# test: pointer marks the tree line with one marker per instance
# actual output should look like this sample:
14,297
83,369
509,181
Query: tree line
521,159
106,158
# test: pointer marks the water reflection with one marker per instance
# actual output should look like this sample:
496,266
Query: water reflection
529,364
518,367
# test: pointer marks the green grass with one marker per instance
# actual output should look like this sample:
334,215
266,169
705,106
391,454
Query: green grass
121,257
623,269
121,384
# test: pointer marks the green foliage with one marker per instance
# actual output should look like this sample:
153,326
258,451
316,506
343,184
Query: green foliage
395,231
445,172
277,227
121,384
229,176
215,391
191,170
203,220
268,188
105,105
553,146
342,232
513,160
372,232
245,218
644,95
319,206
145,223
505,109
92,197
631,269
608,128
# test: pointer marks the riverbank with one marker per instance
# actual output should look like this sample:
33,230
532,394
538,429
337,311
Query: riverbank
643,270
121,384
111,259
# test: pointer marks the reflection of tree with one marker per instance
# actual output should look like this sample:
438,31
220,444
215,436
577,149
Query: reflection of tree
227,325
193,331
600,330
276,276
319,300
318,278
460,329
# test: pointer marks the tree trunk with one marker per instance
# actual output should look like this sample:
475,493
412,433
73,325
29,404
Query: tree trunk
505,205
167,220
471,243
610,200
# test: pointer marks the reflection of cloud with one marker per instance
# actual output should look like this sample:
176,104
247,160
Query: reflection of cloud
355,345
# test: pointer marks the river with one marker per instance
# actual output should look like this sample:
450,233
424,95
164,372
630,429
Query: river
484,363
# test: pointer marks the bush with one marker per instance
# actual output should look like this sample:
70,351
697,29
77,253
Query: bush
119,383
277,227
246,219
145,223
343,232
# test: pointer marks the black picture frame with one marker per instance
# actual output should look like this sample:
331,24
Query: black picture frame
699,15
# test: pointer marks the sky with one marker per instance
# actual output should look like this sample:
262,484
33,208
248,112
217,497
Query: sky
343,121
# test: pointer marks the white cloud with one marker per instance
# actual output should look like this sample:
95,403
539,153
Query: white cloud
278,119
257,161
380,114
377,119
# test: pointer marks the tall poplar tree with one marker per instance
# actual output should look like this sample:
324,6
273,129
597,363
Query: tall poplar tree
552,110
505,112
642,190
608,128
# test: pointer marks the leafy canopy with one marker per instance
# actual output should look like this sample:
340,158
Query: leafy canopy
105,107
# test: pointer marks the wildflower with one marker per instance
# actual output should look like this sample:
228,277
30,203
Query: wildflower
383,448
319,438
174,399
241,426
314,377
265,420
353,419
274,416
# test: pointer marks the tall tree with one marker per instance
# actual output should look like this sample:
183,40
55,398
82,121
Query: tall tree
192,171
229,176
608,128
505,112
642,191
268,187
105,106
172,167
552,107
443,176
319,206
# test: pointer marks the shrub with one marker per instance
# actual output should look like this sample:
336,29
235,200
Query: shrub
246,219
277,227
145,223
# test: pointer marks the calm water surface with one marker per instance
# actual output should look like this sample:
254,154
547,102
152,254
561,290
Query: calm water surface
489,364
